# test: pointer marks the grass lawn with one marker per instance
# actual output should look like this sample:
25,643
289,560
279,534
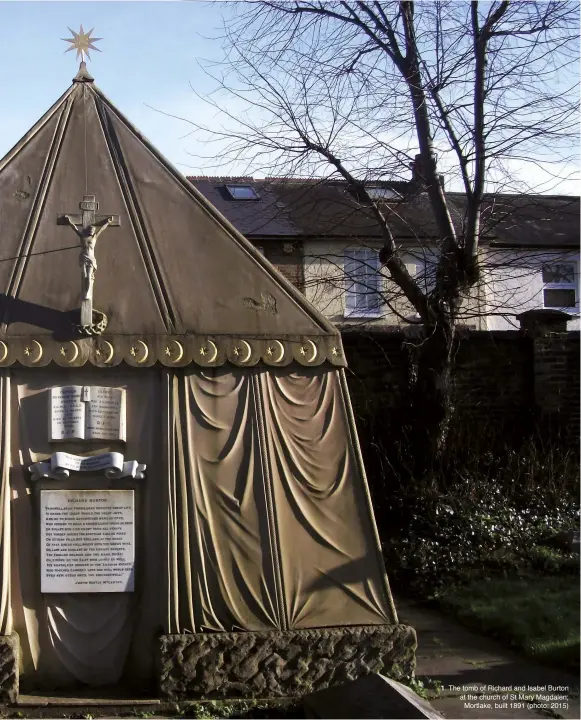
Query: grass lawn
537,615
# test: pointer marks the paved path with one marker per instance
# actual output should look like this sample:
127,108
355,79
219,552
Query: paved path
458,658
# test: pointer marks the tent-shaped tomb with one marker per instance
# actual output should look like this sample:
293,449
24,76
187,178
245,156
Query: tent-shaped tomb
253,528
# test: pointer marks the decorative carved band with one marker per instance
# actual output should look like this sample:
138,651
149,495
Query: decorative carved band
170,351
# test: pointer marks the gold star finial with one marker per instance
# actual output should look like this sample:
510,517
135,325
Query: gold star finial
63,351
82,42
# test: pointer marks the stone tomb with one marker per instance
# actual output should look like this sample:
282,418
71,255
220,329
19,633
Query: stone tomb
183,505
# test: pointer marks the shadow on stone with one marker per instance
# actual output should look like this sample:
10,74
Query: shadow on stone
371,696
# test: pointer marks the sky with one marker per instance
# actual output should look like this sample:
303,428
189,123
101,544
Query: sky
149,62
149,56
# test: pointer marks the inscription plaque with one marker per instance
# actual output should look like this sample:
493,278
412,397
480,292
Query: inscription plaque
87,540
87,412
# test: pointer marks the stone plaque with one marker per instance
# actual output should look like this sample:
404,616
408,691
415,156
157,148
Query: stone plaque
87,540
105,413
67,413
87,412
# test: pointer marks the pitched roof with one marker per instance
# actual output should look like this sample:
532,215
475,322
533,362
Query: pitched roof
323,208
313,208
175,265
534,221
265,216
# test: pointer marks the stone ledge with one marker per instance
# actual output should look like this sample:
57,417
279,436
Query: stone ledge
9,657
281,663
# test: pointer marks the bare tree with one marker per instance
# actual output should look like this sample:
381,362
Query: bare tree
355,90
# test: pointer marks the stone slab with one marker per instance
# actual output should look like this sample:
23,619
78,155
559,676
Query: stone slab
63,701
371,696
281,663
87,540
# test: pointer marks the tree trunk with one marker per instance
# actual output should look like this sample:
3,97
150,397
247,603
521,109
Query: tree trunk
432,401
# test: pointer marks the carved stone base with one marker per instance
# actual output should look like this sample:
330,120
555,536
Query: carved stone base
9,656
278,664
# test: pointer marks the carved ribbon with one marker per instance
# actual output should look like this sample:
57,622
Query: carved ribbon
113,463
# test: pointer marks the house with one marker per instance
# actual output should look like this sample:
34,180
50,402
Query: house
323,239
531,259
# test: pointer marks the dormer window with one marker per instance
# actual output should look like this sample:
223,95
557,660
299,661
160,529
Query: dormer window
242,192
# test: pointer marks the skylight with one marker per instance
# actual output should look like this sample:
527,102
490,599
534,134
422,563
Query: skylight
382,193
242,192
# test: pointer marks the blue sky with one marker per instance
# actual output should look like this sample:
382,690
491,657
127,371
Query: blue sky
149,55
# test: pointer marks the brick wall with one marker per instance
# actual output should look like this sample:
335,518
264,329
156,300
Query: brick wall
506,378
286,256
494,376
556,379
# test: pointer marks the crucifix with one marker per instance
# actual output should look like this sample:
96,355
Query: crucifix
88,227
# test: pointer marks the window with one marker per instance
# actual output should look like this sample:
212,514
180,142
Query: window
559,285
242,192
415,270
362,278
382,193
423,269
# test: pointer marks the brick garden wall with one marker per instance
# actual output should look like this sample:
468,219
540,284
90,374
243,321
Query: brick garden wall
507,378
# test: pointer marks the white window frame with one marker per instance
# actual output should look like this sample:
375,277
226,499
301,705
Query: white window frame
418,267
561,285
414,268
364,257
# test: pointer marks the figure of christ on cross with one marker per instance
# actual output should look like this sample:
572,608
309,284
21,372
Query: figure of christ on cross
87,260
88,226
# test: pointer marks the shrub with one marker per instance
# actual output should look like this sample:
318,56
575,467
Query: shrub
488,508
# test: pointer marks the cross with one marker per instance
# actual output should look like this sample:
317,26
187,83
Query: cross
88,227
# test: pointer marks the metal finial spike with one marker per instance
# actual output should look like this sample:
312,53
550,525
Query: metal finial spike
82,42
83,75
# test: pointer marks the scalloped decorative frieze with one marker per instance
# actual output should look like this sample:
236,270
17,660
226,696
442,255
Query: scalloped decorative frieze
170,351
